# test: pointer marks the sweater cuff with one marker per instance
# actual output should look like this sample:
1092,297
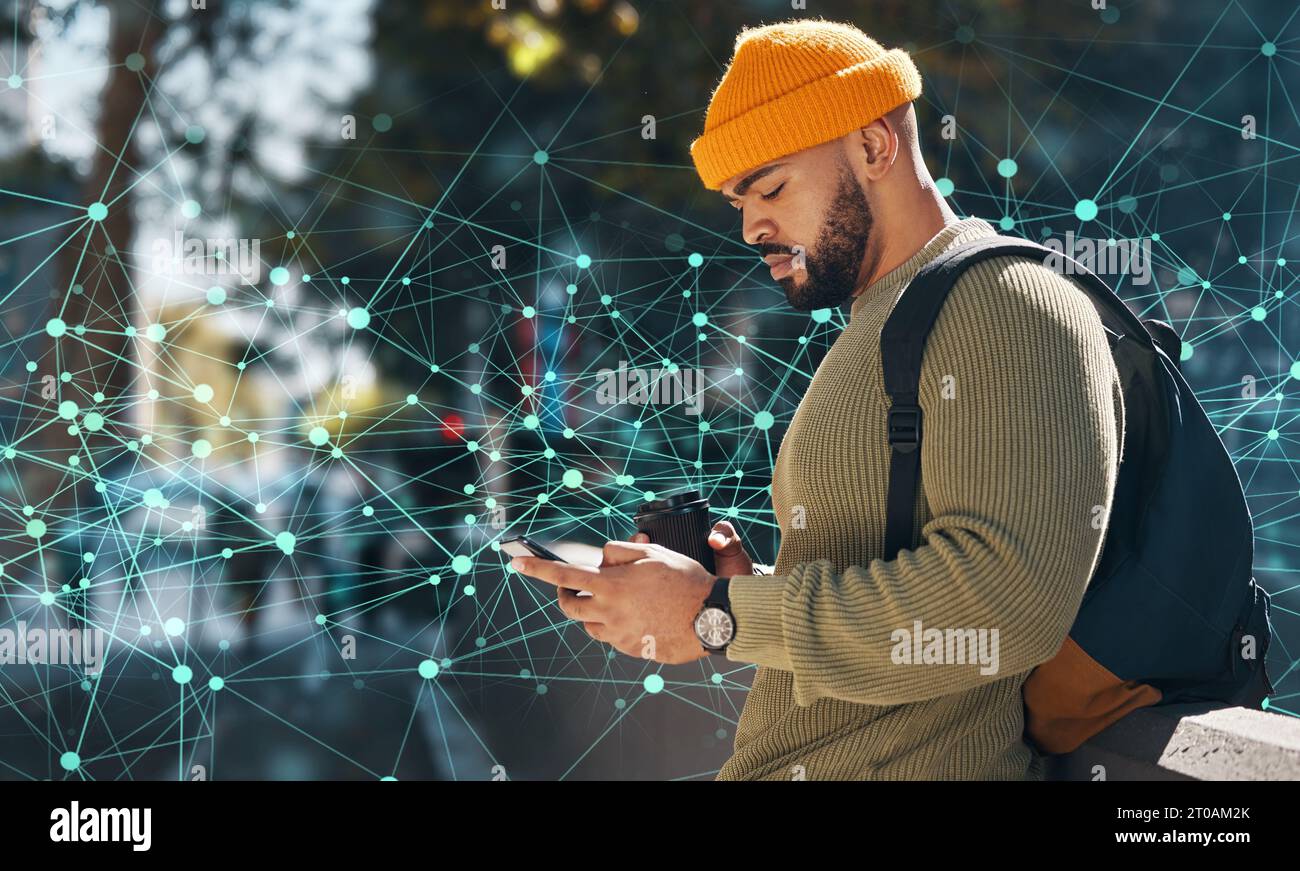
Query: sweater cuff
756,602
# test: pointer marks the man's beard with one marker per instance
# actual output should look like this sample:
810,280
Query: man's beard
832,265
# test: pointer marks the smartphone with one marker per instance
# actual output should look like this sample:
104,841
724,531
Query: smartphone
522,545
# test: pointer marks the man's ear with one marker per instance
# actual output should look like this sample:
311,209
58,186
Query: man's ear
878,143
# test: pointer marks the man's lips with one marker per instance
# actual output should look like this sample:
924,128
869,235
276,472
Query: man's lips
779,265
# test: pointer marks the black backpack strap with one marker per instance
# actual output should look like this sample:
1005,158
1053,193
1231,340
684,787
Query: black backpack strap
902,347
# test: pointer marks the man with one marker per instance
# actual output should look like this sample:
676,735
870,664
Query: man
812,135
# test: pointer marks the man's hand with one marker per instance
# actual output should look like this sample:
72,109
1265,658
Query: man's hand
729,555
644,598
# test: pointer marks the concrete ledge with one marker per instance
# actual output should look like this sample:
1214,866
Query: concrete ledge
1188,742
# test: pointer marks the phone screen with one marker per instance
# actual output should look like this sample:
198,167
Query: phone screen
524,546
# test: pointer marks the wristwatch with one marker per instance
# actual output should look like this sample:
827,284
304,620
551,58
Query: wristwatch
715,625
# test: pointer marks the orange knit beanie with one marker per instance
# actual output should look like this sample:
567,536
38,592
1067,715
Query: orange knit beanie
794,85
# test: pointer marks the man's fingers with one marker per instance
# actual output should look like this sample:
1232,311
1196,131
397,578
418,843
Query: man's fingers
566,575
584,609
640,538
619,552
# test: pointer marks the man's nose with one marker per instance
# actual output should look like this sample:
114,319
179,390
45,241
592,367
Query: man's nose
758,229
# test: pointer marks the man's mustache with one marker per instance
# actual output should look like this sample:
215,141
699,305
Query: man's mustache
765,249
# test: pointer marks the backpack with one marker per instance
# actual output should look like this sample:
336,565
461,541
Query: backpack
1172,612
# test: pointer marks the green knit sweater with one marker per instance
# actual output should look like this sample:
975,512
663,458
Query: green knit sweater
1023,431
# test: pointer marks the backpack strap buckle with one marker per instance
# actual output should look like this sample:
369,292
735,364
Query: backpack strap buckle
904,427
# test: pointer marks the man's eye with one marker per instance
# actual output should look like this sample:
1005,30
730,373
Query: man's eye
773,194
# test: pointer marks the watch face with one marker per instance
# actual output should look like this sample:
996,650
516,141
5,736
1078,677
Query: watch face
714,627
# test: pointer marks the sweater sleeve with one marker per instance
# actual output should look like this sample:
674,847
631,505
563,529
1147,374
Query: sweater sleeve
1023,431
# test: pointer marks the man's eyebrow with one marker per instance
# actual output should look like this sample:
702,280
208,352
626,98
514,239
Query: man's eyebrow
749,180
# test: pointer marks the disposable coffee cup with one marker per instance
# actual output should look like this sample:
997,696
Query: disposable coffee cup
679,522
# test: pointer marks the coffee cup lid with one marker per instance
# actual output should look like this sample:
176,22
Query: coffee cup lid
673,502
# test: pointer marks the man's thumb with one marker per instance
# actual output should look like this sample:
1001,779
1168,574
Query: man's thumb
724,538
620,552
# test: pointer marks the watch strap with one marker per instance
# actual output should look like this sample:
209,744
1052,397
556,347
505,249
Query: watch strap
720,595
